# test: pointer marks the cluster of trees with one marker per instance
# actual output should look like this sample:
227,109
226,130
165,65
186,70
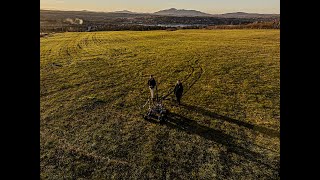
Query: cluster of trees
189,20
107,27
49,29
255,25
60,21
112,27
62,28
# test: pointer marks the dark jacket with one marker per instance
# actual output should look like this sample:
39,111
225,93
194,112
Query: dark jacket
152,83
178,90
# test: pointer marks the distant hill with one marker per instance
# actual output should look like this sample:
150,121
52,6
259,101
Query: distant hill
167,12
181,12
194,13
246,15
126,11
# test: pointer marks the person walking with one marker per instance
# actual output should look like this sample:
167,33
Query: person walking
178,90
152,85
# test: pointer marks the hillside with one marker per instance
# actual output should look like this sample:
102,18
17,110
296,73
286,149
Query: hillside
93,86
181,12
63,21
125,11
247,15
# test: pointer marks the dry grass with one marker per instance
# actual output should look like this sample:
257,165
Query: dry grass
93,85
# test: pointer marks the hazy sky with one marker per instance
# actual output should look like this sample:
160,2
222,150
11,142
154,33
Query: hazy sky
208,6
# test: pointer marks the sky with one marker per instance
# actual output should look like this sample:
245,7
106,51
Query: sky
208,6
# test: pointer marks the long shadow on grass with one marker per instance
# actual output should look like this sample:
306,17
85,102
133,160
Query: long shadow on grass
263,130
176,121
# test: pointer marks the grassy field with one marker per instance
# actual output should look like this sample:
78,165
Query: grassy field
94,84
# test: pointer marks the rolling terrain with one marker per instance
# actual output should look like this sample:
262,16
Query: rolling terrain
93,86
79,21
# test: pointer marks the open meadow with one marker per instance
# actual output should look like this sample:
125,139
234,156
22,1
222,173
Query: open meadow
93,86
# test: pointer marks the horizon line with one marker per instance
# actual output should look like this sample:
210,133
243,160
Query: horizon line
155,11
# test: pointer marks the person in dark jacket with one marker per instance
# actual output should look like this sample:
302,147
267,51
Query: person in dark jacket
178,90
152,86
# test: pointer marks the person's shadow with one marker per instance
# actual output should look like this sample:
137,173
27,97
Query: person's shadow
190,126
269,132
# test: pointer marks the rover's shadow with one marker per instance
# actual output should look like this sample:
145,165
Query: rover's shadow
176,121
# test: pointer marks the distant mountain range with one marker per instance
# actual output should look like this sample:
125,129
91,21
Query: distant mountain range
126,11
194,13
57,20
246,15
181,12
184,13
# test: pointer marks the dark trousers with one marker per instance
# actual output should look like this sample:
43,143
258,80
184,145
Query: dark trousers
178,96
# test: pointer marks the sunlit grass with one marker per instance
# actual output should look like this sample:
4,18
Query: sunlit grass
93,85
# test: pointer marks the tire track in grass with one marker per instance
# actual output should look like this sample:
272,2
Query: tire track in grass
184,79
90,47
196,69
196,79
98,44
97,41
72,49
159,147
48,56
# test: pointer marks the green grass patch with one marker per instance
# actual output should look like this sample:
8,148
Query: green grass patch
93,84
